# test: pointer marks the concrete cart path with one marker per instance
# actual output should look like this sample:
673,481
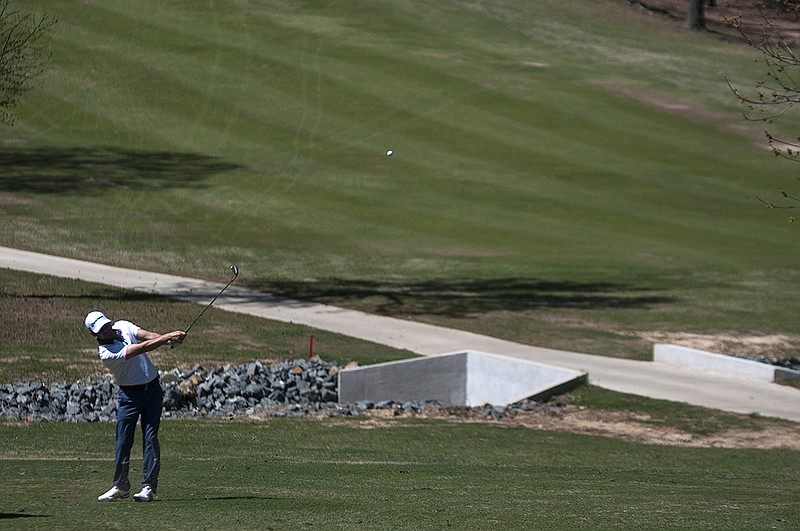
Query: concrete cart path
628,376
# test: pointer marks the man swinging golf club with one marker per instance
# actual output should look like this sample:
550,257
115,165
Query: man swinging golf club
122,347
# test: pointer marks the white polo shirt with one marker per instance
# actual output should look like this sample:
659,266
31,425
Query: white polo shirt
135,371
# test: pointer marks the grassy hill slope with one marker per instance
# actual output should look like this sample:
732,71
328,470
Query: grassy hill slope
574,175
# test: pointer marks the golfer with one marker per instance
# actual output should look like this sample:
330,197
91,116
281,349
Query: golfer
122,347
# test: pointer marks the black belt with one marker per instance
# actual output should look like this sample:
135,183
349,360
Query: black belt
140,387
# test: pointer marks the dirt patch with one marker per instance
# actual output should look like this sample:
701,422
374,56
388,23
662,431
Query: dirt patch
626,425
535,64
671,105
753,18
634,427
770,346
8,199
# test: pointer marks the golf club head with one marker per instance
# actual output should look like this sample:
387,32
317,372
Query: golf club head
235,271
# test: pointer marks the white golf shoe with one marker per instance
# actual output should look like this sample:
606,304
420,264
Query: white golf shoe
114,494
146,494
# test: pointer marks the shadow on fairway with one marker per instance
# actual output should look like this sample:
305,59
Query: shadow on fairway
14,516
218,498
52,170
127,296
464,297
242,498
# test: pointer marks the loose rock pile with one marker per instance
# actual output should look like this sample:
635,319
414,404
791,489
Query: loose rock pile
786,362
299,388
242,388
286,388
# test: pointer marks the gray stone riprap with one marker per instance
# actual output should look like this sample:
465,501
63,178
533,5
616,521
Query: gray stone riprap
226,390
782,361
298,388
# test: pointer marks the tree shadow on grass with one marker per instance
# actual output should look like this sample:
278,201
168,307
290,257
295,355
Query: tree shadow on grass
132,296
468,297
50,170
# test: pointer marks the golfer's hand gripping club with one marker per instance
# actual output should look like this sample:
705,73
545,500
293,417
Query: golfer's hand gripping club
235,273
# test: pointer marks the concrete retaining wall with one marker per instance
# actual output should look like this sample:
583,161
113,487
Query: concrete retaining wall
493,379
460,378
440,378
719,363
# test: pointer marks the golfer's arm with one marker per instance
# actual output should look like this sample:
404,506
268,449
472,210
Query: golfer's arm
144,335
146,346
151,342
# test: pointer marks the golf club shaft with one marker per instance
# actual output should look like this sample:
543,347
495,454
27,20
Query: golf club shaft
235,271
207,307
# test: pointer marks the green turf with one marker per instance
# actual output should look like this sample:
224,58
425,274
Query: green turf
576,174
568,174
293,474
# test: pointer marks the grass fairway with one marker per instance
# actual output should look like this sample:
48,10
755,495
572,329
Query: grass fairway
566,174
354,474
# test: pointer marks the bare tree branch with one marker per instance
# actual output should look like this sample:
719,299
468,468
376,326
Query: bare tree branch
779,93
24,54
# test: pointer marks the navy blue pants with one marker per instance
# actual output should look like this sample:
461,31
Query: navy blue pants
133,405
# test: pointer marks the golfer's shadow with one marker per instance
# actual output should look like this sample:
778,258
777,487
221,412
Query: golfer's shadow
242,498
219,498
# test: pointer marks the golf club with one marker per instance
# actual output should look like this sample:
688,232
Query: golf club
235,272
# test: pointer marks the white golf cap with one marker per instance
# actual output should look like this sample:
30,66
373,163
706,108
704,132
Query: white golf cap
95,321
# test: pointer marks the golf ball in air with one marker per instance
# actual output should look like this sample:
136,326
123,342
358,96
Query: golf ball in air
389,153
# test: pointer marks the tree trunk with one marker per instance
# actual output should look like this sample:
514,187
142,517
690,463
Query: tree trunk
696,19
